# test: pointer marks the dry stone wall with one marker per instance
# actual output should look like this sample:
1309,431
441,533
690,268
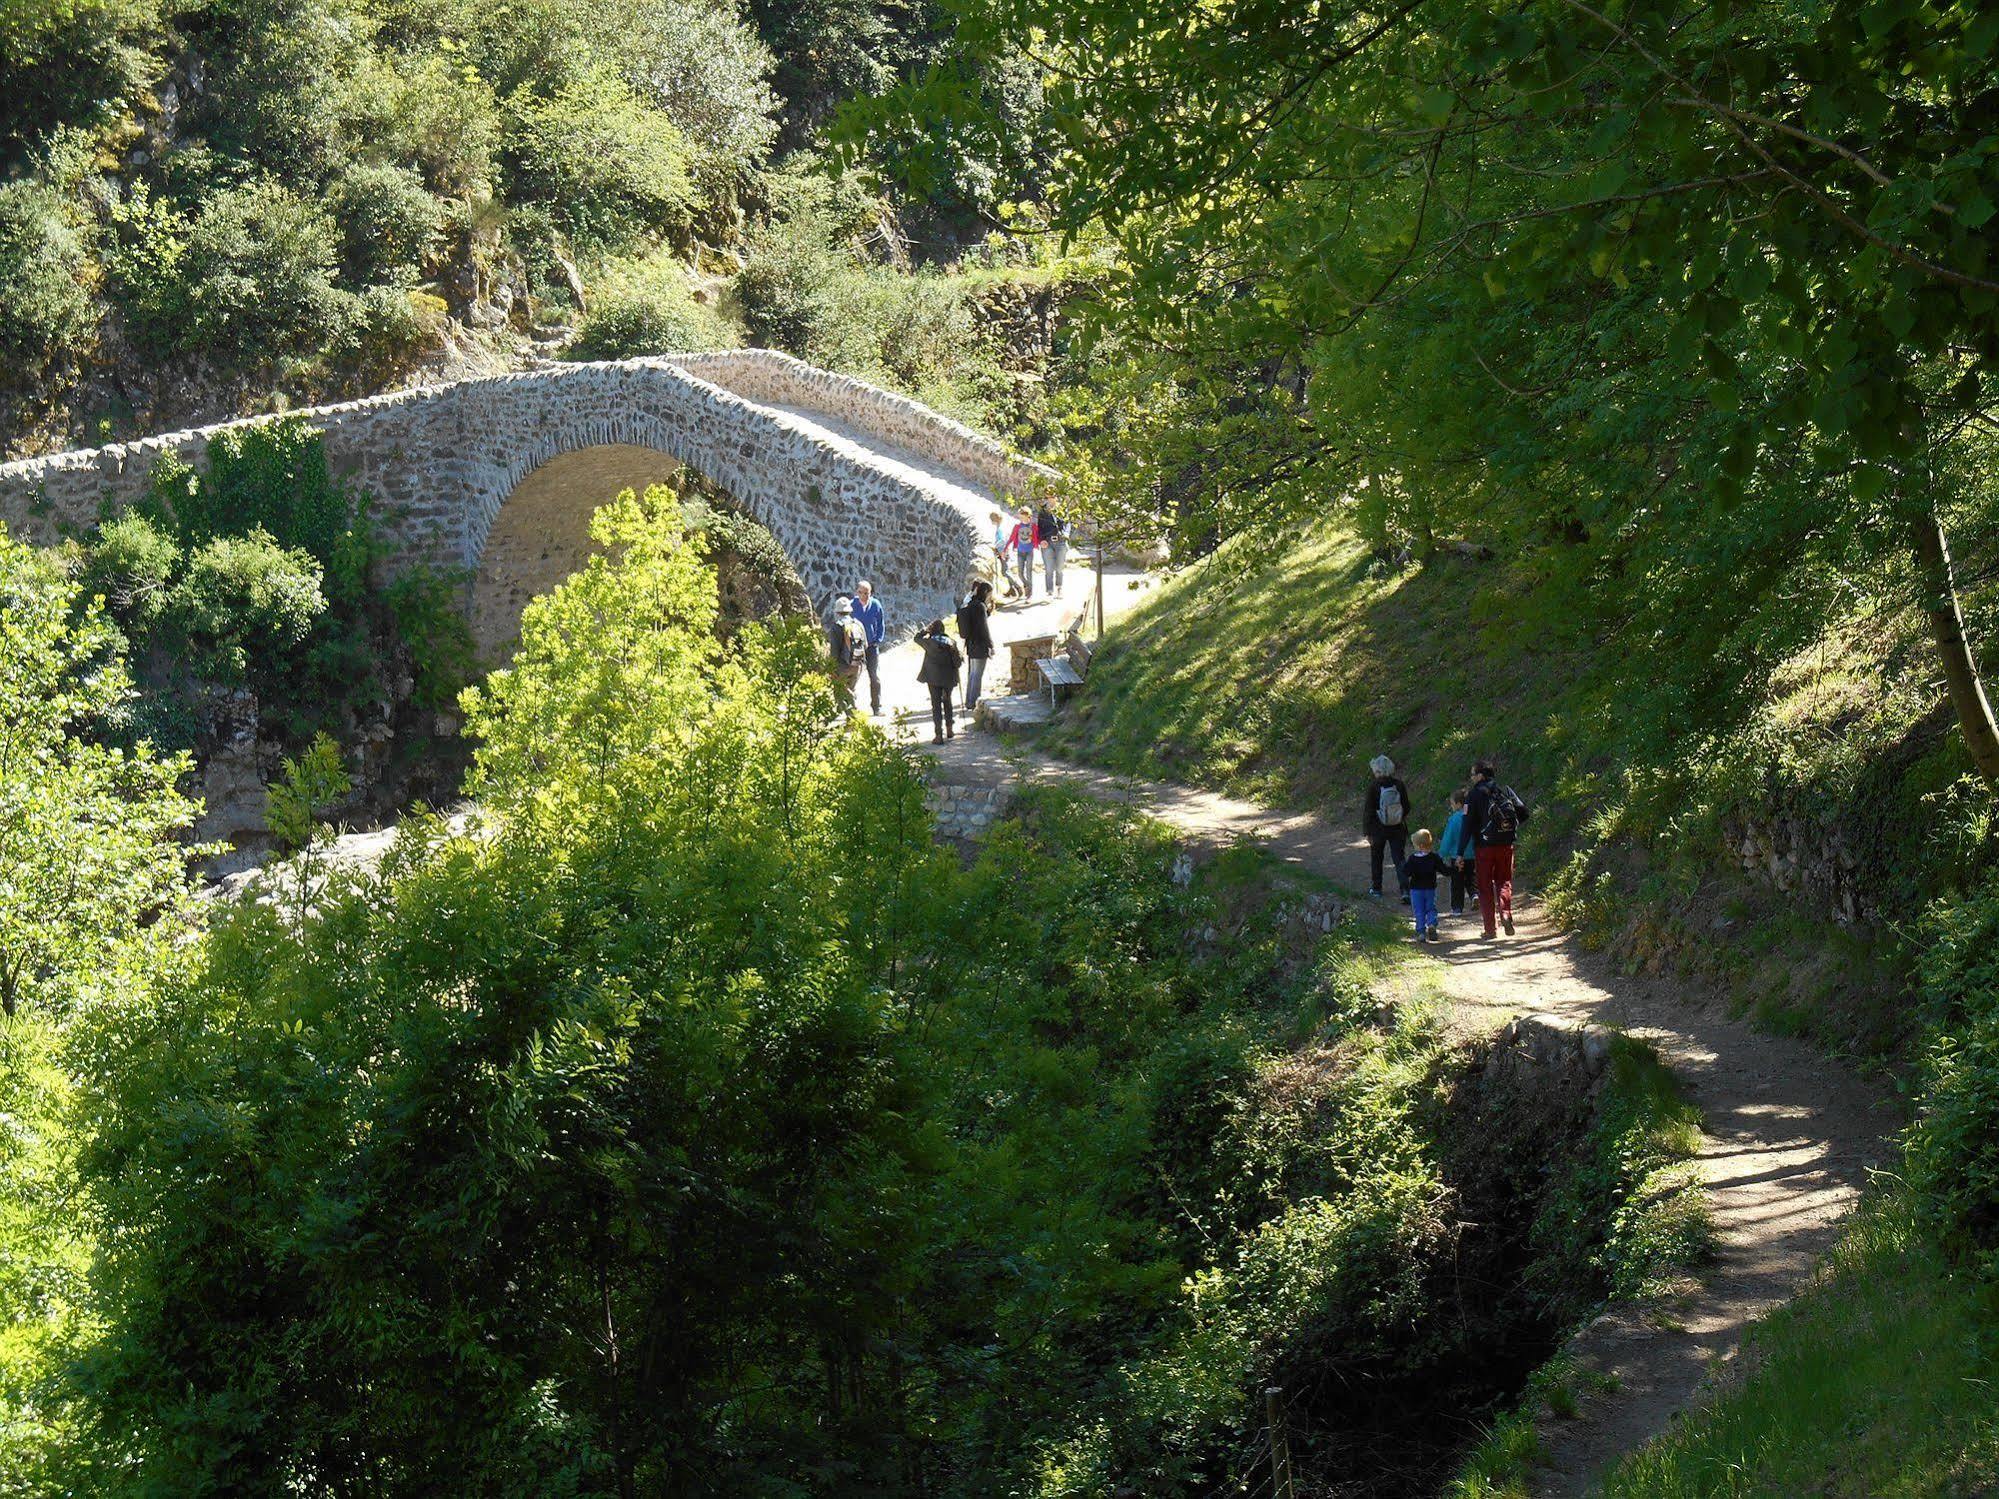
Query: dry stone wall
444,461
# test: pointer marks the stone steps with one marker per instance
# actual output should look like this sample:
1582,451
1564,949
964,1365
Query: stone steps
1015,713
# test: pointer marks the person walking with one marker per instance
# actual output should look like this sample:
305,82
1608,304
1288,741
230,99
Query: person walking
1494,814
1385,819
848,644
939,672
868,612
1021,541
1054,535
1001,550
975,628
1455,850
1422,869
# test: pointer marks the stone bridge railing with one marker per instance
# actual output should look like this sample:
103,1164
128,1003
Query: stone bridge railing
443,461
777,379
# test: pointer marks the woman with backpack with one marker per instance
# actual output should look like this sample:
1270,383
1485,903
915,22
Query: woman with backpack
939,672
976,630
1385,816
1493,813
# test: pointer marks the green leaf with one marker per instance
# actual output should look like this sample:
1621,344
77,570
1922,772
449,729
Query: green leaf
1869,480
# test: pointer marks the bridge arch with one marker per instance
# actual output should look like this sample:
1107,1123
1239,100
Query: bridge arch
541,532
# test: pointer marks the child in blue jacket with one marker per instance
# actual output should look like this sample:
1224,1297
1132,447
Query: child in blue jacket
1455,849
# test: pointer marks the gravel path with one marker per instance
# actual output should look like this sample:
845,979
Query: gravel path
1790,1135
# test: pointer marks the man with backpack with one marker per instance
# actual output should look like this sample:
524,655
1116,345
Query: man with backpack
1054,537
1385,816
847,642
1494,813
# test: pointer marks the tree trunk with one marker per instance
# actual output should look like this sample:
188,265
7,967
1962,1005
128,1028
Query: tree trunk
1960,667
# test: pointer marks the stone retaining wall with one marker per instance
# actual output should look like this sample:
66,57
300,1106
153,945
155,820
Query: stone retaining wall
965,812
443,461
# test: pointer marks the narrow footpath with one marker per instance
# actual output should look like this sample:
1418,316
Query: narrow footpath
1790,1135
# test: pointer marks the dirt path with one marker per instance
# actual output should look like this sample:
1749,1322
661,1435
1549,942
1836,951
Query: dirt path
1790,1134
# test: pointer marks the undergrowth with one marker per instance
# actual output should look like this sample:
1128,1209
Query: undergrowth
1632,1215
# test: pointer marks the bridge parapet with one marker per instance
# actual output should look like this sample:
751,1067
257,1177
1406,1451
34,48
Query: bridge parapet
773,378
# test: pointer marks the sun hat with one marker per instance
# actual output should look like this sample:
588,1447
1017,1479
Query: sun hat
843,605
1381,765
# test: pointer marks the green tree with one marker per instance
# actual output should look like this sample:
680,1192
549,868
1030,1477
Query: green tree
87,834
243,606
610,169
565,1123
1764,226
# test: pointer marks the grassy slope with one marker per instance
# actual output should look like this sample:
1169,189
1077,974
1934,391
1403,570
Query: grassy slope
1279,679
1880,1380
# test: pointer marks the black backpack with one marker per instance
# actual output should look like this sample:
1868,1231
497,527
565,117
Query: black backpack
1504,812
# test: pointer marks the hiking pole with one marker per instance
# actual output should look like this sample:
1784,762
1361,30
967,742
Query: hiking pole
1280,1445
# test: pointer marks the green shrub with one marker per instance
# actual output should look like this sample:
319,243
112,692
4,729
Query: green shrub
244,603
1953,1146
389,224
272,476
705,70
610,169
132,563
272,480
810,290
928,340
144,269
546,255
247,280
393,325
258,267
424,610
785,291
802,262
432,111
277,96
46,315
646,307
74,63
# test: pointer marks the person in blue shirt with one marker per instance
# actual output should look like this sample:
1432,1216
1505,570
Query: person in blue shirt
1455,849
1421,869
868,610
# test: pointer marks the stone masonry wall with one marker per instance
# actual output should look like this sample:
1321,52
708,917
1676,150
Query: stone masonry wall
778,379
443,461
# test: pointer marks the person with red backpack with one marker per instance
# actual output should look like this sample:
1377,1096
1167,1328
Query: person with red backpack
1494,813
1384,816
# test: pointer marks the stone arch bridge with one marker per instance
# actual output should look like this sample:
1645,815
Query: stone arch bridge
499,475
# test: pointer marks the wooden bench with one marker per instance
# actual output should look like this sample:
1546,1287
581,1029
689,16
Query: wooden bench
1057,672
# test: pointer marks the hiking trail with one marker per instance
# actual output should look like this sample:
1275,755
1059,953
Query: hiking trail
1789,1135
